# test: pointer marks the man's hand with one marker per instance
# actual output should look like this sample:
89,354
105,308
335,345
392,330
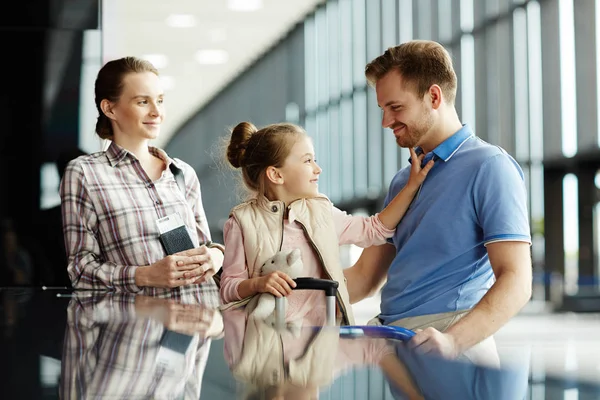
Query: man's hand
431,341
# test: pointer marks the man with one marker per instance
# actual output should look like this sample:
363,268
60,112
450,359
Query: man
460,266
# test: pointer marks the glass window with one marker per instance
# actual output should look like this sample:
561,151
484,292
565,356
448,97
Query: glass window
360,143
335,179
390,156
374,30
568,94
322,56
405,21
91,64
571,232
359,39
334,50
403,156
374,145
445,20
504,81
345,44
504,6
492,8
310,64
466,15
536,202
322,150
534,50
467,84
521,86
424,23
310,125
347,148
388,16
49,183
488,117
597,20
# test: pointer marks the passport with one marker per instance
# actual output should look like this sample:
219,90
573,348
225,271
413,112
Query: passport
176,240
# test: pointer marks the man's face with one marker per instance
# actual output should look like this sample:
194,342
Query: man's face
407,115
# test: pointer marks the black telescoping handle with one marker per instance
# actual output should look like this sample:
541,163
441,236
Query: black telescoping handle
328,286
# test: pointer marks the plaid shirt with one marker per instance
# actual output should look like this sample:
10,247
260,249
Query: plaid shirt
110,352
110,207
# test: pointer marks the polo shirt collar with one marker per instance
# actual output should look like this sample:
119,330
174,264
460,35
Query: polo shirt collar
445,150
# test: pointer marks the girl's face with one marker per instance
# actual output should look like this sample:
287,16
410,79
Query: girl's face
299,175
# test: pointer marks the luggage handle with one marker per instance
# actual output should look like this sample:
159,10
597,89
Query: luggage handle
328,286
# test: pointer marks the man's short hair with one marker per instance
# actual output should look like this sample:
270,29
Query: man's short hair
421,63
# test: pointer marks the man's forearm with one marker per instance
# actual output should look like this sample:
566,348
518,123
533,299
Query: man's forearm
357,287
360,286
370,272
506,297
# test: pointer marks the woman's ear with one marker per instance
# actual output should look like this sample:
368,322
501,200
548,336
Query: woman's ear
274,175
107,108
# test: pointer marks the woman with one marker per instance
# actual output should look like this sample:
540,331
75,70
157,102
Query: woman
112,200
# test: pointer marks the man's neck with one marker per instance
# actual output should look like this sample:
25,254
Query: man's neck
443,130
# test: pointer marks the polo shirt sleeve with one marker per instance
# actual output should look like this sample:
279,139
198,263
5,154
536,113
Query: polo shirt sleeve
500,200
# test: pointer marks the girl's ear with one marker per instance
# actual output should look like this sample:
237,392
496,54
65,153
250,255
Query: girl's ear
274,175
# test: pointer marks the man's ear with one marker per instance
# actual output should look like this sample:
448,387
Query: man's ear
435,96
274,175
107,108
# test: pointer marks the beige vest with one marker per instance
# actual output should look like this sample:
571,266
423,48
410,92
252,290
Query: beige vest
262,226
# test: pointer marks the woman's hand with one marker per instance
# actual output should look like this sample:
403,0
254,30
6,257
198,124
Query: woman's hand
188,319
208,265
188,267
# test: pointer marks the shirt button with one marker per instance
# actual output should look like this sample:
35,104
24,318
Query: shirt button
150,185
158,202
274,209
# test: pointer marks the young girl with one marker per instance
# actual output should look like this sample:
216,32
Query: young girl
279,167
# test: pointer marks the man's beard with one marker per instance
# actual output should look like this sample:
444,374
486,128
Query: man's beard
412,135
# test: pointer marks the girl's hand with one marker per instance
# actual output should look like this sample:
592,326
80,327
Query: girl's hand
418,174
279,284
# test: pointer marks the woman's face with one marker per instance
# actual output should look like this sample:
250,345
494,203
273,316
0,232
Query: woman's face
139,111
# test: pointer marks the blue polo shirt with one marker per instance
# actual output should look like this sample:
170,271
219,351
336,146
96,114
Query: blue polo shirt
474,195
